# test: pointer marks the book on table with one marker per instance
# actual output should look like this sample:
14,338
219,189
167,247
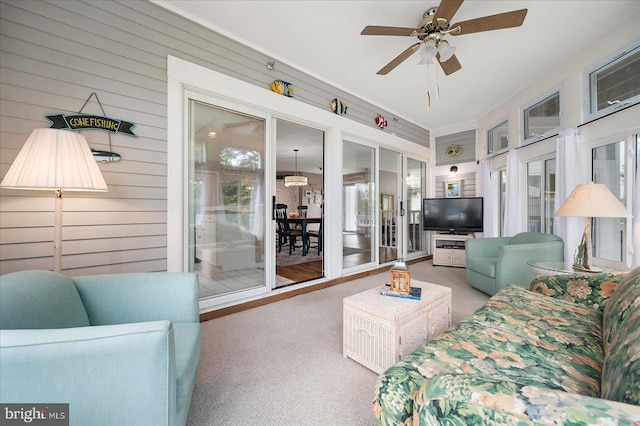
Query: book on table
414,293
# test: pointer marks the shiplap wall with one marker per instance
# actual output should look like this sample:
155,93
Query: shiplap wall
466,140
468,184
54,54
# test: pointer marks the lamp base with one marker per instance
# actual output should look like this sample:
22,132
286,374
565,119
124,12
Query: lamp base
583,268
582,262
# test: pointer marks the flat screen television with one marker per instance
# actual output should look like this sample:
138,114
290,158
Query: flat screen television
453,215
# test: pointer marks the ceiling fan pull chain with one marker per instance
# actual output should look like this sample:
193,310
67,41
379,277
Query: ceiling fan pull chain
428,87
437,86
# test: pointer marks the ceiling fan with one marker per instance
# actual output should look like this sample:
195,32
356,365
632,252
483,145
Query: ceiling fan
435,25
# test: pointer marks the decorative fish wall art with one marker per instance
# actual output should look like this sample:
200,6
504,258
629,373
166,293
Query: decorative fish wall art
338,106
282,88
381,122
105,156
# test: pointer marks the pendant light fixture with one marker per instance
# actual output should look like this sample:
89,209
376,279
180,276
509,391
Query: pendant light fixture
296,180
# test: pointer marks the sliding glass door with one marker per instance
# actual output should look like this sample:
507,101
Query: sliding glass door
359,204
226,191
390,165
300,198
416,181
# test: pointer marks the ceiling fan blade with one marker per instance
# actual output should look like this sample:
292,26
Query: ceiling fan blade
489,23
387,31
447,9
451,66
399,59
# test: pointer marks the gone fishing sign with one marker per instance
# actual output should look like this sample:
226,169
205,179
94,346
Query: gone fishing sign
82,121
90,122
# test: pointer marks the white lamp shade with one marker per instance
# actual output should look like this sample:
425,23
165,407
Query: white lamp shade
295,180
446,51
55,159
428,52
592,200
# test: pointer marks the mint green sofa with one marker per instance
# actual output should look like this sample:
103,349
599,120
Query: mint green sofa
120,349
492,263
566,352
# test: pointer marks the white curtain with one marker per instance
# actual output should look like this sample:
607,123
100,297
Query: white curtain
569,174
486,188
636,210
511,213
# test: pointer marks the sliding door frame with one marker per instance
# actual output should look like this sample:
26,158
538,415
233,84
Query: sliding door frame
183,75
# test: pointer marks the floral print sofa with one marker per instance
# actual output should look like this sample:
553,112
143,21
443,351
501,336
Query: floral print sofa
567,351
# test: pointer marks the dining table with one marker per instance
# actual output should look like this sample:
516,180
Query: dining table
304,221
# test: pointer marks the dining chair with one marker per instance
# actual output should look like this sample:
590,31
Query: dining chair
317,233
285,232
302,212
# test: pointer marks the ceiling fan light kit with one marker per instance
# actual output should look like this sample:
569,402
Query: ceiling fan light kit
434,26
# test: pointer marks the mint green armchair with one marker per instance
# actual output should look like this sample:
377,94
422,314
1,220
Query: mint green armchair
120,349
492,263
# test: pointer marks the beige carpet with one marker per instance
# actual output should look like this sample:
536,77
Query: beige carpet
282,364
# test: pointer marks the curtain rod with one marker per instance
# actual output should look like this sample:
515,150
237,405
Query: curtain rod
607,115
578,126
539,140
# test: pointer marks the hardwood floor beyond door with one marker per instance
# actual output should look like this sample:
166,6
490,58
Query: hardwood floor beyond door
301,272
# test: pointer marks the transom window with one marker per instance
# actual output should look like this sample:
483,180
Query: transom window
498,138
542,119
616,83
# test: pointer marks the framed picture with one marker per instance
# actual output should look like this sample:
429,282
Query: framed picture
452,189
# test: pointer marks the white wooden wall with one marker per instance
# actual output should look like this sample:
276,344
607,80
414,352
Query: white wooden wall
53,55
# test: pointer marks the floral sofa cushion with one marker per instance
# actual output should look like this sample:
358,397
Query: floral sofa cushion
474,400
525,358
588,290
518,337
621,323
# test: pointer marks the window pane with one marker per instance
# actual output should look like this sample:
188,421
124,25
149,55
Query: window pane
616,81
416,176
534,195
543,117
390,166
226,183
608,233
549,194
541,175
503,198
359,200
498,138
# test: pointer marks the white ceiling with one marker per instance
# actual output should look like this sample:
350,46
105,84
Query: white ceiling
323,38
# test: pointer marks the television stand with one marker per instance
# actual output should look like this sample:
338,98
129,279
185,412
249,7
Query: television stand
449,250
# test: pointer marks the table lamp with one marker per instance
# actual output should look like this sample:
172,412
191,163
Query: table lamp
55,160
590,200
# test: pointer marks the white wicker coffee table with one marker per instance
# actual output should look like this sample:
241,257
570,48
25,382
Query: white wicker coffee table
379,330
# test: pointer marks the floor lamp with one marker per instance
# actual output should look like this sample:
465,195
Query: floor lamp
590,200
55,160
